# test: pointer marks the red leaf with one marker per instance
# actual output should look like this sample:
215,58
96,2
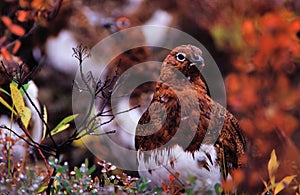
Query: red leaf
165,187
17,30
171,178
6,55
16,47
6,20
22,15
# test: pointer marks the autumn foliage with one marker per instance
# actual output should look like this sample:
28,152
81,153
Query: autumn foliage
261,40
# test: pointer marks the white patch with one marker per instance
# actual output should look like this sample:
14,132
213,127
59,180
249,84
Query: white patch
36,131
160,166
159,18
185,118
92,16
59,52
163,99
18,150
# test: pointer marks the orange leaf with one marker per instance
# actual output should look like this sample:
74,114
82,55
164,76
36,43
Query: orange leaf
165,187
22,15
6,20
171,178
284,183
37,4
272,167
24,3
17,30
249,32
6,55
16,47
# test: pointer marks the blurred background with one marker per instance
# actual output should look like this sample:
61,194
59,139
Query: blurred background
256,45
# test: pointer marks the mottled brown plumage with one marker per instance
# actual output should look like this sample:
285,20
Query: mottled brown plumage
159,125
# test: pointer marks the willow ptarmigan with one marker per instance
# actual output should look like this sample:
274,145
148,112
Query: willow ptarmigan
170,134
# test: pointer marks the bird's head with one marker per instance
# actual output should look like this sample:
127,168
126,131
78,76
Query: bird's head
186,58
117,24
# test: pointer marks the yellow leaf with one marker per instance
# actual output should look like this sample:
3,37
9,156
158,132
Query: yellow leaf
18,101
45,117
283,183
2,101
266,187
78,143
64,124
272,167
60,129
265,184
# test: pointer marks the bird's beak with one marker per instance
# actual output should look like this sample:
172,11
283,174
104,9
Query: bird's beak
108,23
198,62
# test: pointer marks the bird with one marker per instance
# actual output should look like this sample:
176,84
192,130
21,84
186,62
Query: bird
169,141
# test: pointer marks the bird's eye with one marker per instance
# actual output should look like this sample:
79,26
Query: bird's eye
180,57
123,22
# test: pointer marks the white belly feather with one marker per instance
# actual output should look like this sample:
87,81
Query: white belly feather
160,164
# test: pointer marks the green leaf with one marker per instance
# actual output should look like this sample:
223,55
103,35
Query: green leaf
218,188
64,124
86,162
78,173
2,101
26,86
4,91
283,183
91,170
41,189
60,169
18,101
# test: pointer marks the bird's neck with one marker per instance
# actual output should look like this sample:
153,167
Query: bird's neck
179,78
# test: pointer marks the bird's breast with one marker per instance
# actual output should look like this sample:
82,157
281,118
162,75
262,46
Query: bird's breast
159,164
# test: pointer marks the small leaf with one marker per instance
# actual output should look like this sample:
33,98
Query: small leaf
2,101
6,55
63,124
144,184
6,20
86,162
272,167
265,184
165,187
16,47
4,91
283,183
78,173
17,30
22,15
218,188
18,101
59,128
45,117
41,189
91,170
171,178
